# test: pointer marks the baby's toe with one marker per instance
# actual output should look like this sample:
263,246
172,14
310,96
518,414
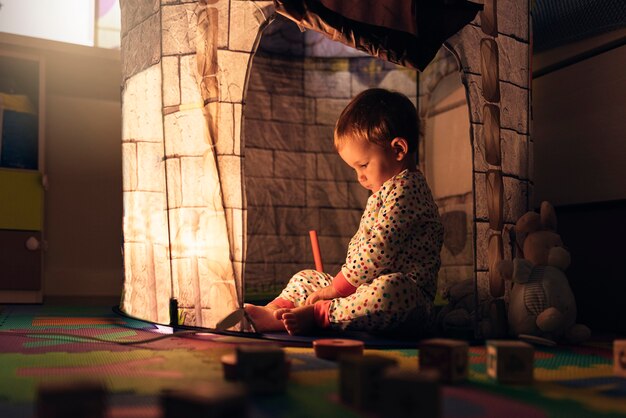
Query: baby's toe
278,313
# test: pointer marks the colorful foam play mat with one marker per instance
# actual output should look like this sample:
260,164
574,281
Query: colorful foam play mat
137,362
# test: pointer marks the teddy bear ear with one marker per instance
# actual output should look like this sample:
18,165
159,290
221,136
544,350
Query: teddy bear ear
548,216
528,222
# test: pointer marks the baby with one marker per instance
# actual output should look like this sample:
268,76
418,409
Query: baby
390,273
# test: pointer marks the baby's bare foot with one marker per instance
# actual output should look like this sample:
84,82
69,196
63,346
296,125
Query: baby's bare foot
297,321
263,318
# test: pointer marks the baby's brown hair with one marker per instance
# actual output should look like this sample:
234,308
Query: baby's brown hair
378,116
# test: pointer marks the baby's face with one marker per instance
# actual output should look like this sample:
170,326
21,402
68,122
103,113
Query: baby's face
373,164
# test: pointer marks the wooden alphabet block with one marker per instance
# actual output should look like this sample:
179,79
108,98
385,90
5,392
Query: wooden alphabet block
449,357
410,393
360,379
619,358
216,401
510,361
229,366
73,399
262,368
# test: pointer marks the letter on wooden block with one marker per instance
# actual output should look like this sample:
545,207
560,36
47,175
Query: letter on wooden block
510,361
449,357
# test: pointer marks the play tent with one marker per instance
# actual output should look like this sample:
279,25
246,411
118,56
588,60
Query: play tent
186,71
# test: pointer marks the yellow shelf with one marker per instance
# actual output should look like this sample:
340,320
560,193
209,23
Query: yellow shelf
21,200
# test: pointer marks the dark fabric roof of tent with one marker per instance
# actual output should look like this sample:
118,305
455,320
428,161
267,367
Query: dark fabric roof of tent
558,22
405,32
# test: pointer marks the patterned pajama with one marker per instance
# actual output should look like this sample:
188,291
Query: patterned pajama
392,261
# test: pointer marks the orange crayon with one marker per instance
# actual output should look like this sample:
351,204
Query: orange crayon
317,255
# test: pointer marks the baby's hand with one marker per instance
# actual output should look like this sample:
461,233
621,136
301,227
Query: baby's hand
324,293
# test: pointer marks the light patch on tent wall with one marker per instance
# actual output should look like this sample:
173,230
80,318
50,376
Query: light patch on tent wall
184,215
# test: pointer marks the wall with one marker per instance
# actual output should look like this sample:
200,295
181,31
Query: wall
83,205
578,124
447,164
295,180
579,132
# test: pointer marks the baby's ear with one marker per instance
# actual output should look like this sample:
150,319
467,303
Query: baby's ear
400,146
